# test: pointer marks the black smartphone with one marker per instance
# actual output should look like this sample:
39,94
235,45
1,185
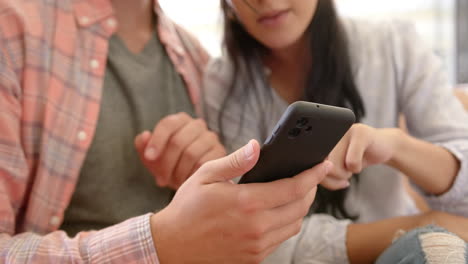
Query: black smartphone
303,137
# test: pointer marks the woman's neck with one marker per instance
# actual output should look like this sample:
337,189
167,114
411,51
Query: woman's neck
136,22
288,56
289,70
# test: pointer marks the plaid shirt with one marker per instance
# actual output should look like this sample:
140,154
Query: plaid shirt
52,63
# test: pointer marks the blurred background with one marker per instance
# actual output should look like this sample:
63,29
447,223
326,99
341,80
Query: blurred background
436,21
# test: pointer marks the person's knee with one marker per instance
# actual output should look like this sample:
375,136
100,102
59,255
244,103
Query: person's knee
443,247
429,245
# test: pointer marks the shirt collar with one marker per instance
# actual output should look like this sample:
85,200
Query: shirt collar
89,12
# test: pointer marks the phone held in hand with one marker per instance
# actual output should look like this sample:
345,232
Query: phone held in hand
303,137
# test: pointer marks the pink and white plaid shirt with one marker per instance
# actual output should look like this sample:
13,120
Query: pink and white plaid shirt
52,63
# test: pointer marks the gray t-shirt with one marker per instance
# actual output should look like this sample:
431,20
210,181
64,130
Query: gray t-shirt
139,90
395,73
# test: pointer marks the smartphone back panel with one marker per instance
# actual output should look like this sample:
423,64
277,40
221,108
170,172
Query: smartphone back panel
304,137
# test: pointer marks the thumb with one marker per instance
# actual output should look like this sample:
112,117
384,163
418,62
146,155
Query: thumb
232,166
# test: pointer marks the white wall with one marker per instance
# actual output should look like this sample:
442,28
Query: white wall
202,17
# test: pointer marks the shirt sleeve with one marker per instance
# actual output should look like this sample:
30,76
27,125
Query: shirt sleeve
432,111
128,242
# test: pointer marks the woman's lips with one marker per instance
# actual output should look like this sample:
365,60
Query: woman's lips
273,18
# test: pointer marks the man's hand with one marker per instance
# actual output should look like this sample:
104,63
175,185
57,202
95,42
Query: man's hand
213,220
178,146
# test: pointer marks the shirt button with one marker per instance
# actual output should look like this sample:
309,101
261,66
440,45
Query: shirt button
82,136
111,23
179,50
94,64
84,20
54,221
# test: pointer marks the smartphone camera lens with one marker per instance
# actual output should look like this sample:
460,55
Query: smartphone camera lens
294,133
302,122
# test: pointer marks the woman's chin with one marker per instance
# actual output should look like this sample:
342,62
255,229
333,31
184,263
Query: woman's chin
279,42
280,46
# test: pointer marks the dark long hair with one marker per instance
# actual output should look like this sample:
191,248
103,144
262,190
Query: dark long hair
330,80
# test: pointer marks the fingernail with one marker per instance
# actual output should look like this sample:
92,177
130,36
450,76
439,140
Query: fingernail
328,166
249,151
146,134
346,185
150,154
160,181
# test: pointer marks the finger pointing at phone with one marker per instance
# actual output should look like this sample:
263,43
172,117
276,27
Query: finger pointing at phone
361,147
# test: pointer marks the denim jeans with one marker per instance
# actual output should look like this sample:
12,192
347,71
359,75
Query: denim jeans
429,244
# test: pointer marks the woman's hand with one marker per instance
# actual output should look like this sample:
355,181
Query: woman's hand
361,147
